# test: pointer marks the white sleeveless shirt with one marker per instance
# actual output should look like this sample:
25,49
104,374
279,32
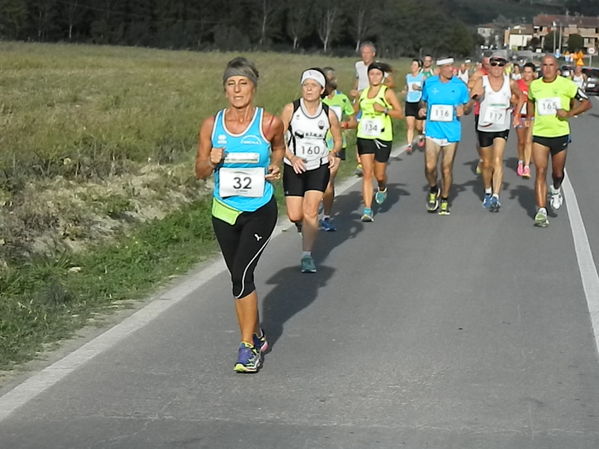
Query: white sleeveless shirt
579,80
495,112
306,136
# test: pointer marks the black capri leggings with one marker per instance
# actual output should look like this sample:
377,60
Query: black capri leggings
242,244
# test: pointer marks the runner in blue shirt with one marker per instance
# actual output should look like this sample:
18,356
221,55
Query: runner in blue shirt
414,82
445,99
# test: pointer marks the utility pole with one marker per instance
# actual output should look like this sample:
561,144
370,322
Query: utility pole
553,36
560,39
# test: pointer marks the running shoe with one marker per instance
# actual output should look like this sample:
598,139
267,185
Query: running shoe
520,169
421,141
260,342
307,265
555,198
326,225
367,215
444,208
487,200
249,359
495,204
432,201
298,226
541,220
409,148
380,196
358,171
526,172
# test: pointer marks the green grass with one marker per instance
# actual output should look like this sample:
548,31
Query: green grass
98,202
48,298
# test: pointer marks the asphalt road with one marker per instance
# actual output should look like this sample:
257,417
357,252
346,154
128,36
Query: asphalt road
418,331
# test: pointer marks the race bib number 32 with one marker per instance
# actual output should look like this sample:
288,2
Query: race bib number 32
247,182
441,113
548,106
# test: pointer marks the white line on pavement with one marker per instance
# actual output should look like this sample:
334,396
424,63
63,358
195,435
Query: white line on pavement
49,376
586,262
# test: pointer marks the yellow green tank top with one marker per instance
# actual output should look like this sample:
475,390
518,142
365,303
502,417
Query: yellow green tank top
374,125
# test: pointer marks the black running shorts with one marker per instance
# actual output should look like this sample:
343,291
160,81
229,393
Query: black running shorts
297,185
555,144
380,148
485,139
411,110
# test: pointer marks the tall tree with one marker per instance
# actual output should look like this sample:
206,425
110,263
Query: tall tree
42,13
328,25
362,19
265,19
550,41
298,25
13,18
108,25
139,22
575,42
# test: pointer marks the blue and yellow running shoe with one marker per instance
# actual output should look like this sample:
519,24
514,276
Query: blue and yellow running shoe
249,359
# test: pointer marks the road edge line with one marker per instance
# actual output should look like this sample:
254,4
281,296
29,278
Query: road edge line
584,255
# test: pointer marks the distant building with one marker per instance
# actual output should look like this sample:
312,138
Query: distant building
564,26
518,36
492,33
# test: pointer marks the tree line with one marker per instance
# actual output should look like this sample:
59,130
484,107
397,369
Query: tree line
399,27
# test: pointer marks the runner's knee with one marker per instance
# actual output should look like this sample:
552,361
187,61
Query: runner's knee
242,287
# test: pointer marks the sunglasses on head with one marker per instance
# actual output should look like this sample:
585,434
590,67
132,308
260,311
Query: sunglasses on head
497,63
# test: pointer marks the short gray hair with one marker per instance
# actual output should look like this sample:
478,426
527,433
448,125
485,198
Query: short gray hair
240,66
368,44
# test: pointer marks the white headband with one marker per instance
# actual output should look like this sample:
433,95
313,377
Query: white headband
444,61
313,75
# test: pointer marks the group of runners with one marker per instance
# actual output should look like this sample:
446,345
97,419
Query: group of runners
244,148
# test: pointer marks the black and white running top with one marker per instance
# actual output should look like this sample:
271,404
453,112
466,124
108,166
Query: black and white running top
306,136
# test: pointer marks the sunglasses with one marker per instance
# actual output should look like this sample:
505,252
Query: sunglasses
497,63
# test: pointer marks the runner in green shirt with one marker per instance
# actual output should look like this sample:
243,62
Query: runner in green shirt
342,106
552,100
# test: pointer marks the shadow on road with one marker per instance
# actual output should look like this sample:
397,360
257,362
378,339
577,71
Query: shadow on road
294,292
394,193
526,197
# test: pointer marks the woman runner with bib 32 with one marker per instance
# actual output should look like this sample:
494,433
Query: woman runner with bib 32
243,146
378,104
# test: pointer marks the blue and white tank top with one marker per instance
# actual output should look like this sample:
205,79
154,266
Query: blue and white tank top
414,95
239,182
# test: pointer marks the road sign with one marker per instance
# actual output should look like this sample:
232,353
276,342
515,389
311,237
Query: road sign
591,51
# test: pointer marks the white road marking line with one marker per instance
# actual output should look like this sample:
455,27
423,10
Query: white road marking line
584,255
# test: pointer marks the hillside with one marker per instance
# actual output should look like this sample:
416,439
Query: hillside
474,12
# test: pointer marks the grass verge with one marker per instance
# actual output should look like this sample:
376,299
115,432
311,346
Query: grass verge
96,142
47,299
